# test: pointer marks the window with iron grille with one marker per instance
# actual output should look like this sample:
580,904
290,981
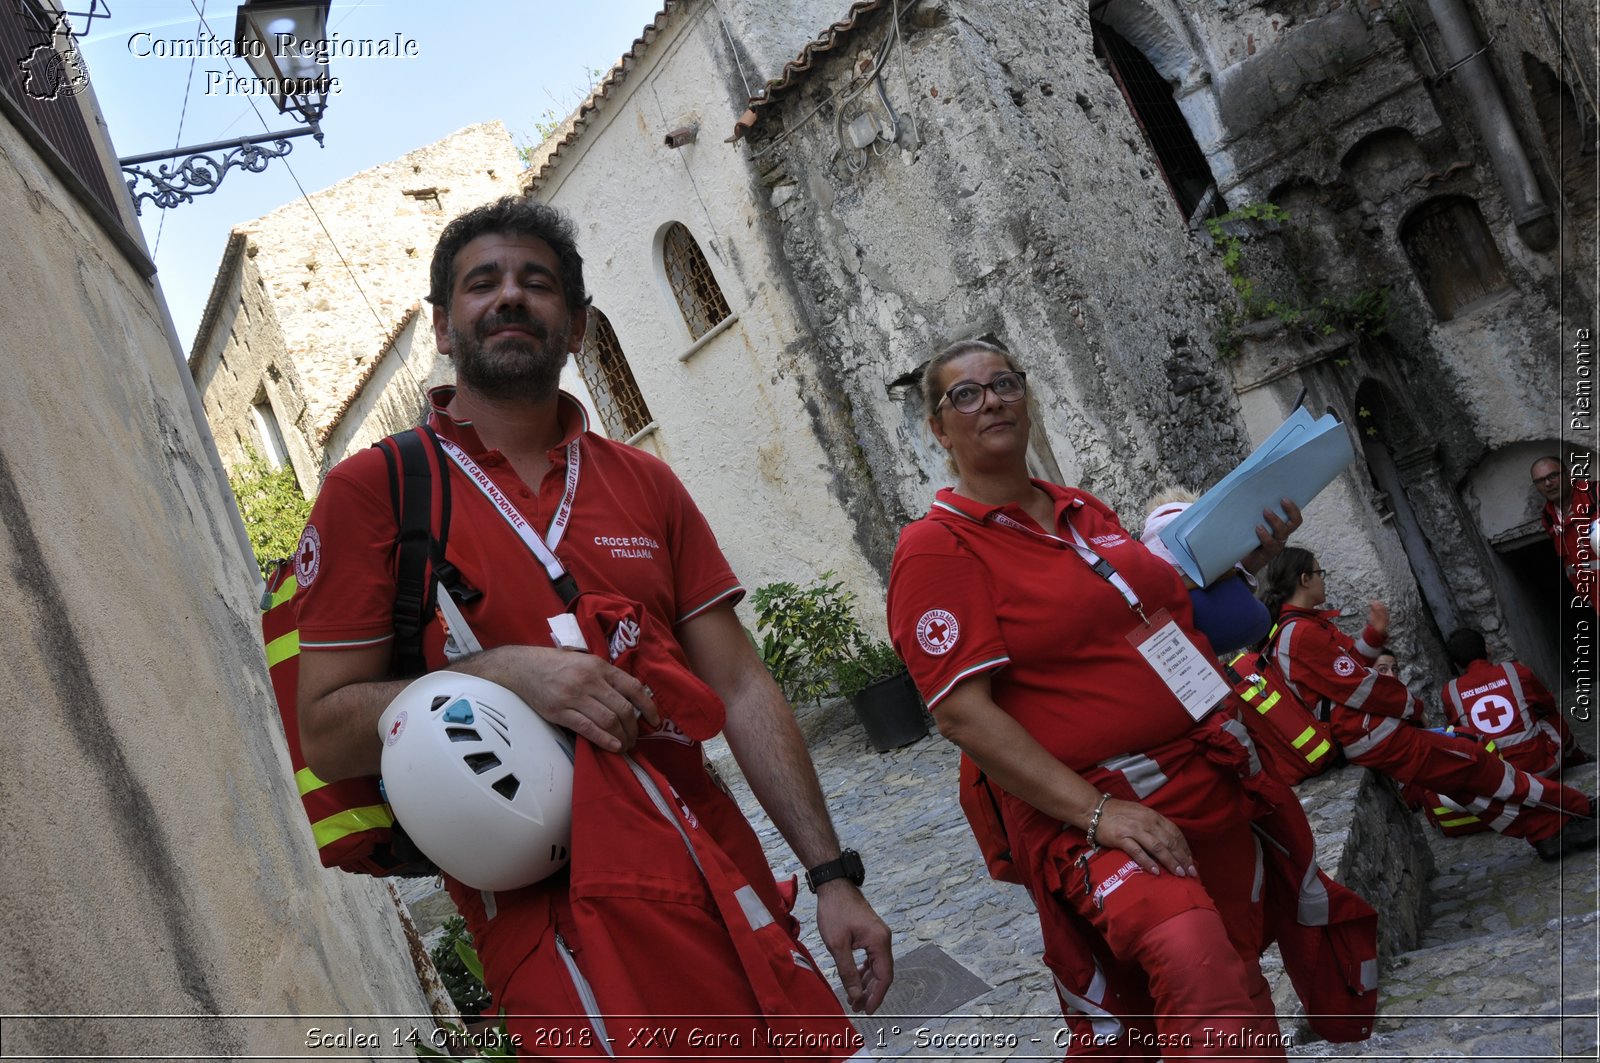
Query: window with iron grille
693,285
41,75
605,370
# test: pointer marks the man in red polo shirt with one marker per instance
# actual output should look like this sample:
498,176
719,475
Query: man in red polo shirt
1569,510
605,937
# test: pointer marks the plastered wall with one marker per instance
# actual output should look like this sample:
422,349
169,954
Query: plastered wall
156,860
732,418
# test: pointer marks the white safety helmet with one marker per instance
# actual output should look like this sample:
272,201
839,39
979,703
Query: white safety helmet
480,782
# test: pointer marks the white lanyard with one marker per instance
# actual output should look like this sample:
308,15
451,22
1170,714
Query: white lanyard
543,549
1100,565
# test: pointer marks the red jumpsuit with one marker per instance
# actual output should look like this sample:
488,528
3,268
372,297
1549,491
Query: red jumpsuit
1508,704
983,589
668,911
1376,721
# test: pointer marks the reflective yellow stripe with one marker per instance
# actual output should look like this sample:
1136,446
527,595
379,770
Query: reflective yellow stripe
1305,736
1316,754
351,821
1250,695
307,781
1462,822
1489,745
282,648
284,593
1266,705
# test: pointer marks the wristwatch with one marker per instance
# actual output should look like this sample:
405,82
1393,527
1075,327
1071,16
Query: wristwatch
847,866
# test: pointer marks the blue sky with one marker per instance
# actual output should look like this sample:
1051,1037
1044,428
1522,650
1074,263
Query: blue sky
475,62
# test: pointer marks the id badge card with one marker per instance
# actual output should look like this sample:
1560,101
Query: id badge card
1192,677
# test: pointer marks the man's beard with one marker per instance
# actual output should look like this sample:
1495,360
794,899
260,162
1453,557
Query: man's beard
511,367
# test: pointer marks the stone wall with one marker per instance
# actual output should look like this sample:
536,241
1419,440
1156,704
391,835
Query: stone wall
1018,203
156,859
307,318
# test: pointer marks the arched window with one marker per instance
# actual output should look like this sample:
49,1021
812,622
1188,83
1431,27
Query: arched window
693,285
605,370
1569,133
1453,254
273,448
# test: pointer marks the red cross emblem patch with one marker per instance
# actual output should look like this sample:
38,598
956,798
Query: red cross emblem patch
1492,714
937,632
307,556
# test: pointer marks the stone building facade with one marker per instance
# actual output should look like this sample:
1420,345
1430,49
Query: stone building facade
157,869
1406,185
1040,173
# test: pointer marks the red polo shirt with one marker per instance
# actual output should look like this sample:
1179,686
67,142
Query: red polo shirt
633,529
1568,529
970,594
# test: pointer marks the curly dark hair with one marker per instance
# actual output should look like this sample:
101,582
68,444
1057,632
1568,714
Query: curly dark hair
1283,576
512,216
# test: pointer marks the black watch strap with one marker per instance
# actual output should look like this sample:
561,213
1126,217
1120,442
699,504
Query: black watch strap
847,866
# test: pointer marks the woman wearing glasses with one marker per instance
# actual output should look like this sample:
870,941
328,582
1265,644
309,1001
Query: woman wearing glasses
1058,653
1377,721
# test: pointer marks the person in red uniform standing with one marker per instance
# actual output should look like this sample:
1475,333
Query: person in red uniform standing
509,305
1059,654
1507,704
1569,512
1377,720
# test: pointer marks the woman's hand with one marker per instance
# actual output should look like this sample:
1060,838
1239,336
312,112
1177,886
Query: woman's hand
1378,619
1146,835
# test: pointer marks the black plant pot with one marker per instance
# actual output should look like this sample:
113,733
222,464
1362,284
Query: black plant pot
891,711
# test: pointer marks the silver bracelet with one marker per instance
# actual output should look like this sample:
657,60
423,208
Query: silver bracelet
1094,821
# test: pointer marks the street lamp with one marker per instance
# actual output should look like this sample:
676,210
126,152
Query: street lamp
282,41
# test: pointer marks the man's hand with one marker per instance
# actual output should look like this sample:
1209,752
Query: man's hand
342,694
578,691
1378,619
1273,534
848,923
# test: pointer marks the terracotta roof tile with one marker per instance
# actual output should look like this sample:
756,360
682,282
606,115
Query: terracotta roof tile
796,69
545,155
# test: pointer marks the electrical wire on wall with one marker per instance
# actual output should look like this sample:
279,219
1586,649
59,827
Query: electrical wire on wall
866,130
850,93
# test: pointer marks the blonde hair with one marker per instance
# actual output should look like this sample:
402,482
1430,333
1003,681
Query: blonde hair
1167,496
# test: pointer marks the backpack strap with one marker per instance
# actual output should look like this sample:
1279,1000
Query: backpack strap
421,566
411,494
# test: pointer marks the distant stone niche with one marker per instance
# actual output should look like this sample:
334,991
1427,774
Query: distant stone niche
1453,254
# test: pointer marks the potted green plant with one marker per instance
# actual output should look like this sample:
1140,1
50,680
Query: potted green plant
815,647
882,694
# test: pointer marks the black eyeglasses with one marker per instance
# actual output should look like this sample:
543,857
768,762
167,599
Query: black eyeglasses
967,396
1315,572
1548,478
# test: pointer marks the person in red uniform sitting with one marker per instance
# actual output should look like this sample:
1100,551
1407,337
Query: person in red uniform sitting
1377,720
1507,704
1059,654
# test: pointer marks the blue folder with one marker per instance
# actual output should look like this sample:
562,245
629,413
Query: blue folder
1296,462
